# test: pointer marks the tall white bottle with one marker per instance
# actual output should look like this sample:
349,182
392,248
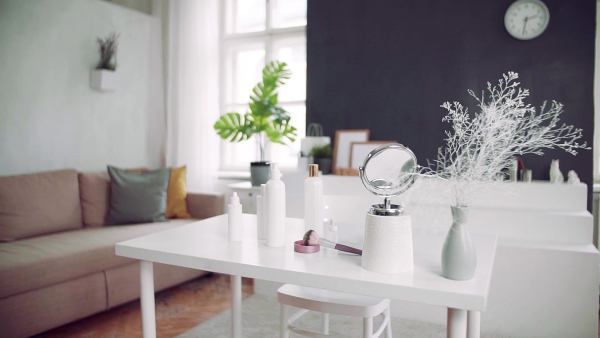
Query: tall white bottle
313,201
261,213
234,212
275,209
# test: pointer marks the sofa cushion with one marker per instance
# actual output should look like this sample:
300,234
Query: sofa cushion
94,190
176,194
41,261
137,197
41,203
29,313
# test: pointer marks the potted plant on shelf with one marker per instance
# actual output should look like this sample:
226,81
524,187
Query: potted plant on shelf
265,119
104,76
322,156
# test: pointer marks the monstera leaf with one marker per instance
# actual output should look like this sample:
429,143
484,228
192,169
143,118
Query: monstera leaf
264,97
275,73
279,131
232,127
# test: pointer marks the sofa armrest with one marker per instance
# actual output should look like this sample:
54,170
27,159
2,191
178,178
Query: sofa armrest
202,206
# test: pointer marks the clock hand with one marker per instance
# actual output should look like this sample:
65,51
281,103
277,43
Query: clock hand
524,25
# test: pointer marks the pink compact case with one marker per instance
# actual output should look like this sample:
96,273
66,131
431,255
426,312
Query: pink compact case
301,248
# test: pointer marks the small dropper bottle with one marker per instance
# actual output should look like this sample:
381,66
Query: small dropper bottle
332,231
234,214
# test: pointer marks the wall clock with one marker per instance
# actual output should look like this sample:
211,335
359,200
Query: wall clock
526,19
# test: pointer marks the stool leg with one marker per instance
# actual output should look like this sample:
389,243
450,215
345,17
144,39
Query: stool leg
388,329
368,327
283,325
457,323
325,323
473,324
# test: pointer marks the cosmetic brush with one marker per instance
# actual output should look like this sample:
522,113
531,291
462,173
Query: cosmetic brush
312,238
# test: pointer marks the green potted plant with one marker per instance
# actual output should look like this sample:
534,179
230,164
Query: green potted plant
322,155
108,52
265,119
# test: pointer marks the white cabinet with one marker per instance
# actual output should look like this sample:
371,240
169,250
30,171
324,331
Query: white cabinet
247,194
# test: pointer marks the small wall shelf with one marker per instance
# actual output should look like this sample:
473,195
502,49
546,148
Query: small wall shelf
103,79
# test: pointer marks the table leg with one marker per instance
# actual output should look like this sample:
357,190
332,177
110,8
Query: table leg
473,324
457,323
147,299
236,306
325,323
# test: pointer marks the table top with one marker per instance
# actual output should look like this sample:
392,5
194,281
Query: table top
204,245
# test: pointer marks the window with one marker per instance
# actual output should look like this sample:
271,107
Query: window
255,32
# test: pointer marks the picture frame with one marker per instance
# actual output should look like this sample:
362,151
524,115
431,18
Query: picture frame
360,150
341,150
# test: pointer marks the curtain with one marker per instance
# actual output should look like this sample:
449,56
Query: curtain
191,90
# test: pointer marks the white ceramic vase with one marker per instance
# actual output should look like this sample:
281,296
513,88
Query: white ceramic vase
459,258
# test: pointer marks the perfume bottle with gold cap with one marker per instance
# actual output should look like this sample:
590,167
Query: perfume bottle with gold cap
313,200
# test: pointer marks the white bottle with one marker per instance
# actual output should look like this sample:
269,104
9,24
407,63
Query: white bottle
275,209
313,201
235,218
332,231
261,213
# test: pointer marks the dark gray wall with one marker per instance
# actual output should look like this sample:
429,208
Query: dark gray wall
388,65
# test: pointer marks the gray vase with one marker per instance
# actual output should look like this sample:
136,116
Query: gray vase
458,255
259,173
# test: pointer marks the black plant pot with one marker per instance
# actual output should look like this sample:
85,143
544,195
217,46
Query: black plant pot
324,164
259,173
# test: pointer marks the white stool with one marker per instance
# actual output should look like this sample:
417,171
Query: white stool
334,302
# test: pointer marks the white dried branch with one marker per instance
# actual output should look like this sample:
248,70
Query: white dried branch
481,148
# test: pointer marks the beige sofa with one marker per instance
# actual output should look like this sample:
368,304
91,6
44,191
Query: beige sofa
57,264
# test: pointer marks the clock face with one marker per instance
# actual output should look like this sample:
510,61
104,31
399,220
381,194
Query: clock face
526,19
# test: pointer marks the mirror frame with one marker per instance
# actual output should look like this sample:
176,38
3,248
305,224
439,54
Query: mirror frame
406,183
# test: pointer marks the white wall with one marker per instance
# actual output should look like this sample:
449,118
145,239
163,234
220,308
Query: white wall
50,117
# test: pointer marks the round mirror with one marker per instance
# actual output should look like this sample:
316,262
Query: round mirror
389,170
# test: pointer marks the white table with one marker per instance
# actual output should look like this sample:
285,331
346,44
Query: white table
203,245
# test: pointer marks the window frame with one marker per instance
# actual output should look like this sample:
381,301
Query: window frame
228,42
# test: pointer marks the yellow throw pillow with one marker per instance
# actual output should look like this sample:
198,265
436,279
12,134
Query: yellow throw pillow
176,194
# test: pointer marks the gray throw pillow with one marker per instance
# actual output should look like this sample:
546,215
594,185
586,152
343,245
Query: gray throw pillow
137,197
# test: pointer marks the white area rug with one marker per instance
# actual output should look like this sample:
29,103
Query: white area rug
260,315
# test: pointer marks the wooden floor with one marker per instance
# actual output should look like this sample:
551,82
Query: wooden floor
177,310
